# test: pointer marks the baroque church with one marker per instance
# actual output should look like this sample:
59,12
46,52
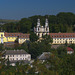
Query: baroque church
58,38
41,30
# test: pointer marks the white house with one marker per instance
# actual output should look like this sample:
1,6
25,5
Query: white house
17,56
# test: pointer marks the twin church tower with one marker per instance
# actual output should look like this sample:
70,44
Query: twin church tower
41,30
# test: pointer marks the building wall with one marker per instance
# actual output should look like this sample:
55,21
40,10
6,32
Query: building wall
11,39
22,40
41,30
17,57
4,38
69,52
63,40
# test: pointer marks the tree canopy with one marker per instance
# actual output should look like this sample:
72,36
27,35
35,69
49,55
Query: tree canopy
61,22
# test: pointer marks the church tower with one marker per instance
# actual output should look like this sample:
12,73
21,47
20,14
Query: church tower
46,26
38,22
41,30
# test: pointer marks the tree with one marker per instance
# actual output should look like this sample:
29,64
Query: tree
1,47
66,44
72,46
36,48
8,62
47,39
33,37
25,25
61,51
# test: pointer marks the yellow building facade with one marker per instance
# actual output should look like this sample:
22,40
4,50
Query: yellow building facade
62,38
11,37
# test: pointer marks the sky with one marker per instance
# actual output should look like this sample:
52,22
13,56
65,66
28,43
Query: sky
17,9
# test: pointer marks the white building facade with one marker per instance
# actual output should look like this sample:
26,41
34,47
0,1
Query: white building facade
62,38
17,56
41,30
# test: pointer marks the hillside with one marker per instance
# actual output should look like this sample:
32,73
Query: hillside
7,21
62,22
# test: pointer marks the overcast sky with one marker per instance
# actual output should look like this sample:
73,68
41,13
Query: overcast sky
17,9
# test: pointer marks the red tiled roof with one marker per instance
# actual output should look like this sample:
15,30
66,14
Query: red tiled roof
21,35
62,35
69,49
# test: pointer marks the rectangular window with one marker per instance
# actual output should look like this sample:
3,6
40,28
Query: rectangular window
20,58
16,58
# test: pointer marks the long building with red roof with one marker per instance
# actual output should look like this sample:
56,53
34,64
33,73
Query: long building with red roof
62,38
11,37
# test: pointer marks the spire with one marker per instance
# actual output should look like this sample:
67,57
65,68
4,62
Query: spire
38,22
46,23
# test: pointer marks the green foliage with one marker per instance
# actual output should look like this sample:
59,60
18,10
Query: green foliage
72,46
61,51
1,47
62,22
36,48
33,37
8,62
25,25
66,44
60,63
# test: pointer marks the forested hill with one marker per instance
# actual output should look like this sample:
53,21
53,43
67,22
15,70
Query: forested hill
7,21
62,22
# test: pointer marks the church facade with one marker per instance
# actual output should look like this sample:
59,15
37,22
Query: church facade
58,38
41,30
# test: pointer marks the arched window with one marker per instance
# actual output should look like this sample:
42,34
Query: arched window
1,35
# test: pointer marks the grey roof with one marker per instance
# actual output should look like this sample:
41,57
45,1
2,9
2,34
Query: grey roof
56,46
13,52
44,56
